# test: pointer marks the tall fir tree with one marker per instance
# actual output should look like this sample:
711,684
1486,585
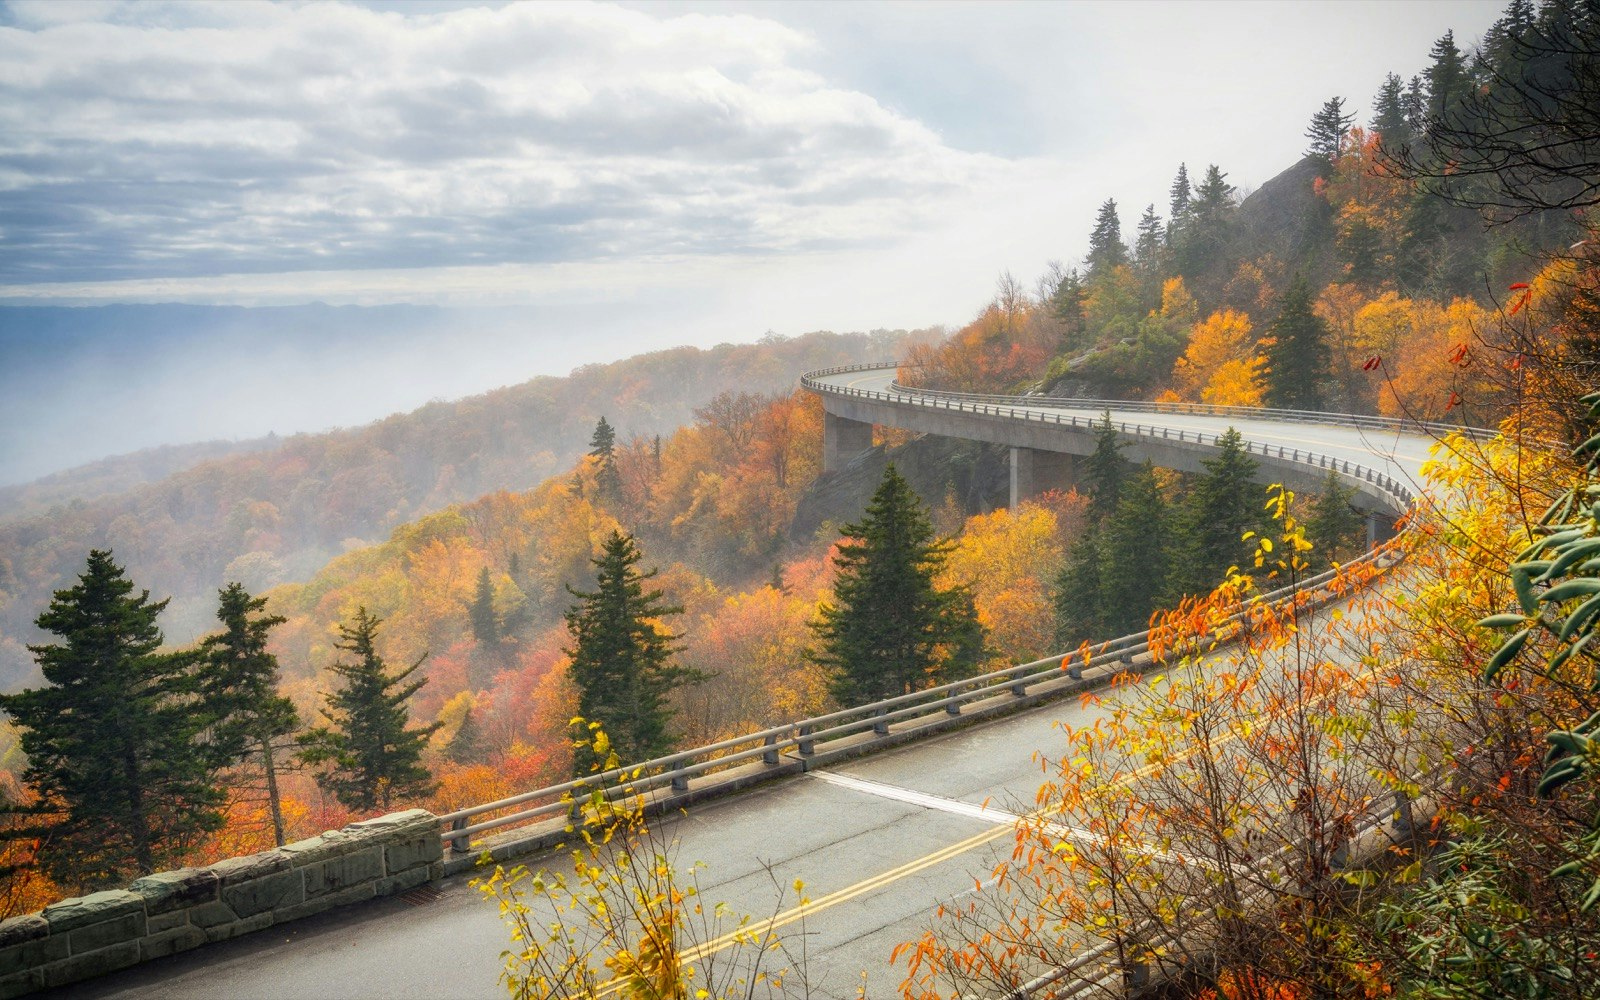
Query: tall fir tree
1327,130
373,757
1179,196
1505,44
1223,504
1213,199
1107,252
622,659
1136,555
1147,245
603,449
1105,469
1448,80
112,740
466,746
888,629
1080,607
1297,352
1334,528
1389,118
1416,103
1206,228
240,684
481,613
1067,305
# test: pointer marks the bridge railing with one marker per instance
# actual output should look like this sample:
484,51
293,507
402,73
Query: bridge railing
1091,664
1399,494
979,403
674,772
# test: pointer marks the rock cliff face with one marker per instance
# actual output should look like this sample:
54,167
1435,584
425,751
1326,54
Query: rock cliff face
977,474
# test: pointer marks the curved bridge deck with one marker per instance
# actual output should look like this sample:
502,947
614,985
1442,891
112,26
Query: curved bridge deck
879,841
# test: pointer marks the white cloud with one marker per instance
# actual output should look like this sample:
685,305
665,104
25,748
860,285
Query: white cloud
173,141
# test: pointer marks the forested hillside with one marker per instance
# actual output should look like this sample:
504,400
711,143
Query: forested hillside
273,516
653,543
117,474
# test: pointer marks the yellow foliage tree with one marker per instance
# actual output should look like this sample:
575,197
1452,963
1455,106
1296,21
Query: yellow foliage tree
1008,557
1222,364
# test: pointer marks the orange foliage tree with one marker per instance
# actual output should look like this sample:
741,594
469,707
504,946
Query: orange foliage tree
1222,364
1199,823
1008,558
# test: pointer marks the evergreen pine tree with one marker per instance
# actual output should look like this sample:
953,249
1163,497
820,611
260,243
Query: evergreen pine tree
466,746
603,448
1416,103
1448,81
1067,305
1105,469
1334,528
1106,249
1178,206
1327,130
112,740
1389,118
1206,229
888,629
240,684
1147,246
1221,506
1136,556
621,659
375,759
485,621
1297,352
1080,607
1213,199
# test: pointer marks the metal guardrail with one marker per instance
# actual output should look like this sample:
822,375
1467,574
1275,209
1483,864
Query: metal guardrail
897,392
677,770
1399,494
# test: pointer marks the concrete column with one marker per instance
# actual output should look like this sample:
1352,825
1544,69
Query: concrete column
1033,472
1380,528
842,440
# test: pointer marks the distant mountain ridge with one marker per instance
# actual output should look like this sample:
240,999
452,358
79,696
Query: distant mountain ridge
273,516
117,474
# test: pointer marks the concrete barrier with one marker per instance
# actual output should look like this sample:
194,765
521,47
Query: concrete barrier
169,912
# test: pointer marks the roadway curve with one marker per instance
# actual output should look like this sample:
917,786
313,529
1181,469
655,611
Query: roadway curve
879,841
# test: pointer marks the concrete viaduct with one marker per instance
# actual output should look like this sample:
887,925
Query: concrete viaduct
1046,436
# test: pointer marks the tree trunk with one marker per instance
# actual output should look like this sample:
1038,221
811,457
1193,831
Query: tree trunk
273,805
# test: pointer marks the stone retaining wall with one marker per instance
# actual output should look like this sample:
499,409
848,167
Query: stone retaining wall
169,912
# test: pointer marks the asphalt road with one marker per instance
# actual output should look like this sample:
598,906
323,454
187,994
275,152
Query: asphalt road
880,842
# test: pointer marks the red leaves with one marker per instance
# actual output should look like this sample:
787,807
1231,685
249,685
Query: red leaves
1372,362
1461,355
1523,299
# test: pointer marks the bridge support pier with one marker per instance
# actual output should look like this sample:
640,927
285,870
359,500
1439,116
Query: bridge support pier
842,440
1380,528
1033,472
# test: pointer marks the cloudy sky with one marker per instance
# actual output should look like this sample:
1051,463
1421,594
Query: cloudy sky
690,172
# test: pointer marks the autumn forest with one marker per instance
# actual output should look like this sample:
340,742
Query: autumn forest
453,552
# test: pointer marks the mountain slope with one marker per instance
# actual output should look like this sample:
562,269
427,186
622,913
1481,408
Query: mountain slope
276,516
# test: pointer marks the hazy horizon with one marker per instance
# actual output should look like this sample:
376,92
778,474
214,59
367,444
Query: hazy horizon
539,186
